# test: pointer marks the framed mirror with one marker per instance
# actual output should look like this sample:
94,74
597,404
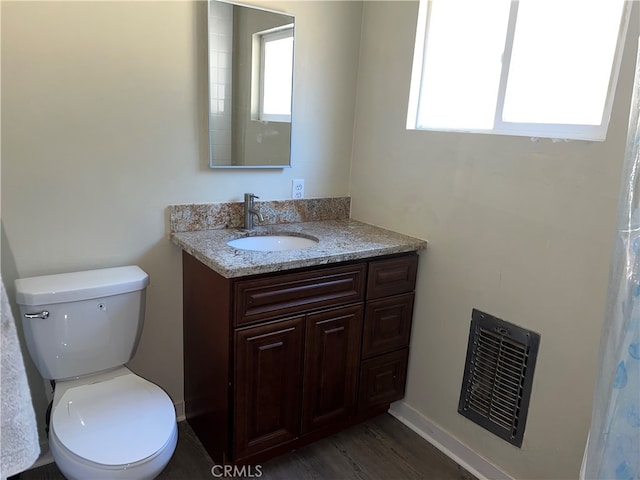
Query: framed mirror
251,55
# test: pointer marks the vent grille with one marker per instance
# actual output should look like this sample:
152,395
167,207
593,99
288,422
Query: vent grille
498,376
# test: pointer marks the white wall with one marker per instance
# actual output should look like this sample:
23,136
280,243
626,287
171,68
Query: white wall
518,228
104,115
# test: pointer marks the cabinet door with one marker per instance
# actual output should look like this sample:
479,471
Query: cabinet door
268,385
332,354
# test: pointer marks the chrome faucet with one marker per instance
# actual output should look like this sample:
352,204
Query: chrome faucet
250,211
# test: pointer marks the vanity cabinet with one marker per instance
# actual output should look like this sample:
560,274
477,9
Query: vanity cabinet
275,361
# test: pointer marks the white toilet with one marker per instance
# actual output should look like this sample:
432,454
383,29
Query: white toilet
80,329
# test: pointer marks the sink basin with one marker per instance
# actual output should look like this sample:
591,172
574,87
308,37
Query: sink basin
272,243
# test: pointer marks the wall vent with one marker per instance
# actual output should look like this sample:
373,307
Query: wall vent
498,375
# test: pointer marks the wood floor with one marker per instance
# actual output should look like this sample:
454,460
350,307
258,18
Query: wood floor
381,449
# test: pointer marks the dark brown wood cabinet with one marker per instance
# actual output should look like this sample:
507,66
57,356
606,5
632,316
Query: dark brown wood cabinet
382,379
387,325
332,361
268,385
275,361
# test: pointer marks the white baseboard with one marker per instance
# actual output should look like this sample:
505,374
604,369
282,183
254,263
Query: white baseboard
45,457
180,416
468,459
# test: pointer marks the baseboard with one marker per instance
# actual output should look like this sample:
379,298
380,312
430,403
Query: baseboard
464,456
180,416
45,457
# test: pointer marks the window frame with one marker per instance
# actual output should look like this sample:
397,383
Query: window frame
500,127
277,33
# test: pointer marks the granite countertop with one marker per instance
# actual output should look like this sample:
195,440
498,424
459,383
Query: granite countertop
338,241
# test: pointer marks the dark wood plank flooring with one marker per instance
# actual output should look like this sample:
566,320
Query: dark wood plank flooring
380,449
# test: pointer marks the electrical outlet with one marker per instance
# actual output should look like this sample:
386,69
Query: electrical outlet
297,188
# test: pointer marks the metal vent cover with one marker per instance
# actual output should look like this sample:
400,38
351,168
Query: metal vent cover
498,375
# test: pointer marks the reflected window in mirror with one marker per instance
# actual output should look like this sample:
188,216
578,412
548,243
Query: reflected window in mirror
275,74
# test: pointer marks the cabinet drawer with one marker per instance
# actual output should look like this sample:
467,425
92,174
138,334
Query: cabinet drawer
392,276
387,325
382,379
267,298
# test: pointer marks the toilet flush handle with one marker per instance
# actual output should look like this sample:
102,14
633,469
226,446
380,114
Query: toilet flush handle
44,314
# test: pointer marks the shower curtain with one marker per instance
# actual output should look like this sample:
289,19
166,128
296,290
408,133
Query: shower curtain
613,446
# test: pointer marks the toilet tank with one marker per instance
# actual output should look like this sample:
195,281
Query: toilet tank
81,323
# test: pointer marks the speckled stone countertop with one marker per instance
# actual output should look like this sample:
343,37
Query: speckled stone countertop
338,241
208,216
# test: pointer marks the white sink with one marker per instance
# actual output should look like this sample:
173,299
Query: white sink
272,243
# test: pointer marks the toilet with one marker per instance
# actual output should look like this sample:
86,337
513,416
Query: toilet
80,329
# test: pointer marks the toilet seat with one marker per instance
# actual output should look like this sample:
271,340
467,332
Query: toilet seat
119,421
74,467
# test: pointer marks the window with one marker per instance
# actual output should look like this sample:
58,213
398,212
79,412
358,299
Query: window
540,68
274,74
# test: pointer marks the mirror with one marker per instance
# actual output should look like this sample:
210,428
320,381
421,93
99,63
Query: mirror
250,86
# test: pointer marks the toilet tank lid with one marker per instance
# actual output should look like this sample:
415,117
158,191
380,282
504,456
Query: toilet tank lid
76,286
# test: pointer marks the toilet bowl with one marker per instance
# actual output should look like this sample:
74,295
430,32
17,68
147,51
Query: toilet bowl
81,328
118,426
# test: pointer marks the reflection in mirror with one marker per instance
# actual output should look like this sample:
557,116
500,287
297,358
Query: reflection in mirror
250,86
